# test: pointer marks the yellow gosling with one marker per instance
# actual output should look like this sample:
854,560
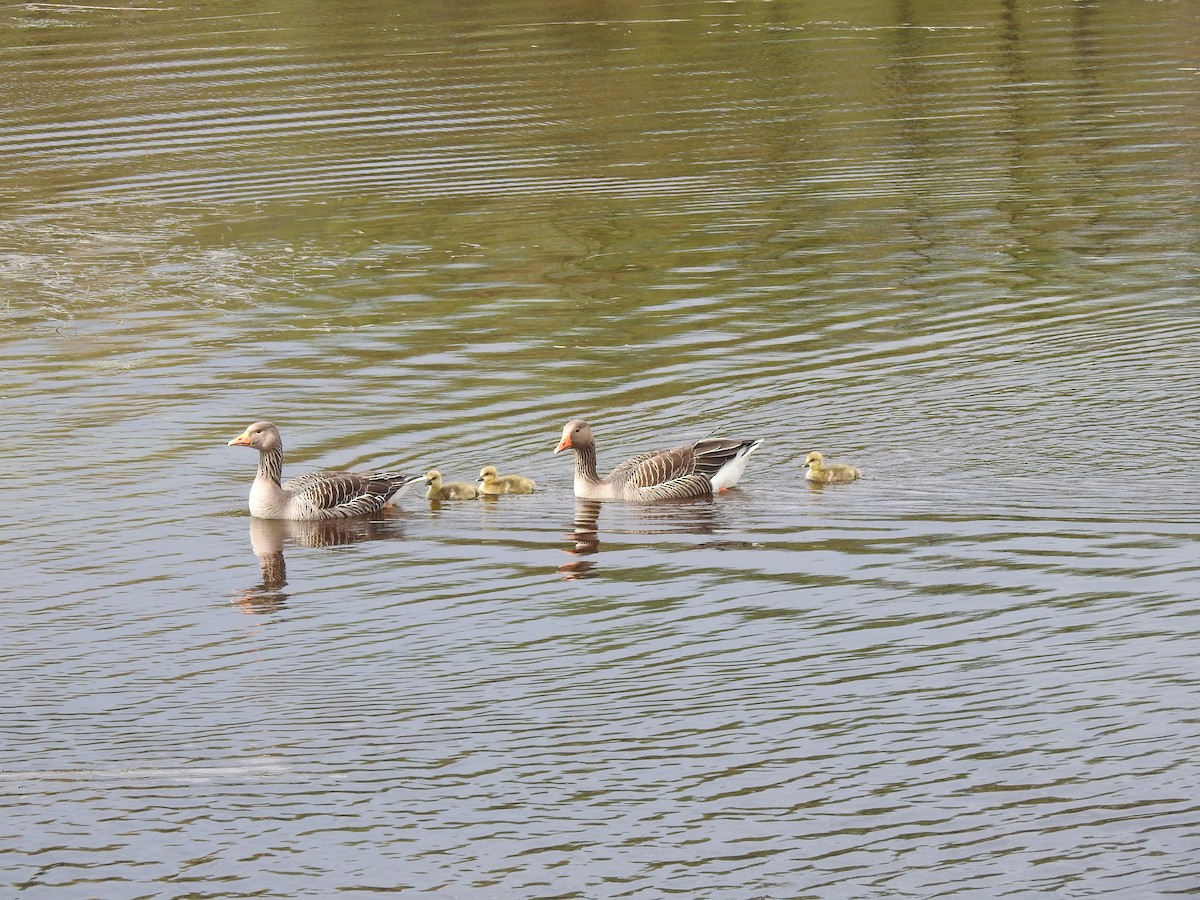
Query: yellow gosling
492,483
834,473
451,490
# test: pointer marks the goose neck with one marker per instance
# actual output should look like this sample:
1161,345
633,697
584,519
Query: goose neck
585,464
270,465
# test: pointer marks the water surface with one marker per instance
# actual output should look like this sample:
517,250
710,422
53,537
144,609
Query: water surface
956,247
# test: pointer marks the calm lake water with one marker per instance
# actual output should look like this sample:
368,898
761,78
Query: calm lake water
955,244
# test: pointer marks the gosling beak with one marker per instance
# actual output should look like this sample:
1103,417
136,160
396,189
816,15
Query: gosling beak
242,440
564,444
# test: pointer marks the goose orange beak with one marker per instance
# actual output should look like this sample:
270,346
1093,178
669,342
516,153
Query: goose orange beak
242,440
564,444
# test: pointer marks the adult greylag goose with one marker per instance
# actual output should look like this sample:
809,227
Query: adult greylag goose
834,473
318,495
691,470
492,483
451,490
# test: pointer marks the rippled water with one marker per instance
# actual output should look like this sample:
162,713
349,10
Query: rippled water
957,247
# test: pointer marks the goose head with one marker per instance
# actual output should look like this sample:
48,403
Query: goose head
433,476
488,473
814,460
576,433
260,436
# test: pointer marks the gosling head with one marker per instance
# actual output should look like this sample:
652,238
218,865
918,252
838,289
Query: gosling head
433,476
814,460
488,473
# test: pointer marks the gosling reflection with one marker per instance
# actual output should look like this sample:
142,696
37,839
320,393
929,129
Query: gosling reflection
267,540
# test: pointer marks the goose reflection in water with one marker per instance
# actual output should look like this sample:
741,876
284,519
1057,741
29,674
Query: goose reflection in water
267,540
584,541
691,516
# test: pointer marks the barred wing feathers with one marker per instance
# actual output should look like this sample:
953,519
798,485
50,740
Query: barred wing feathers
663,467
686,471
338,495
628,470
712,455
